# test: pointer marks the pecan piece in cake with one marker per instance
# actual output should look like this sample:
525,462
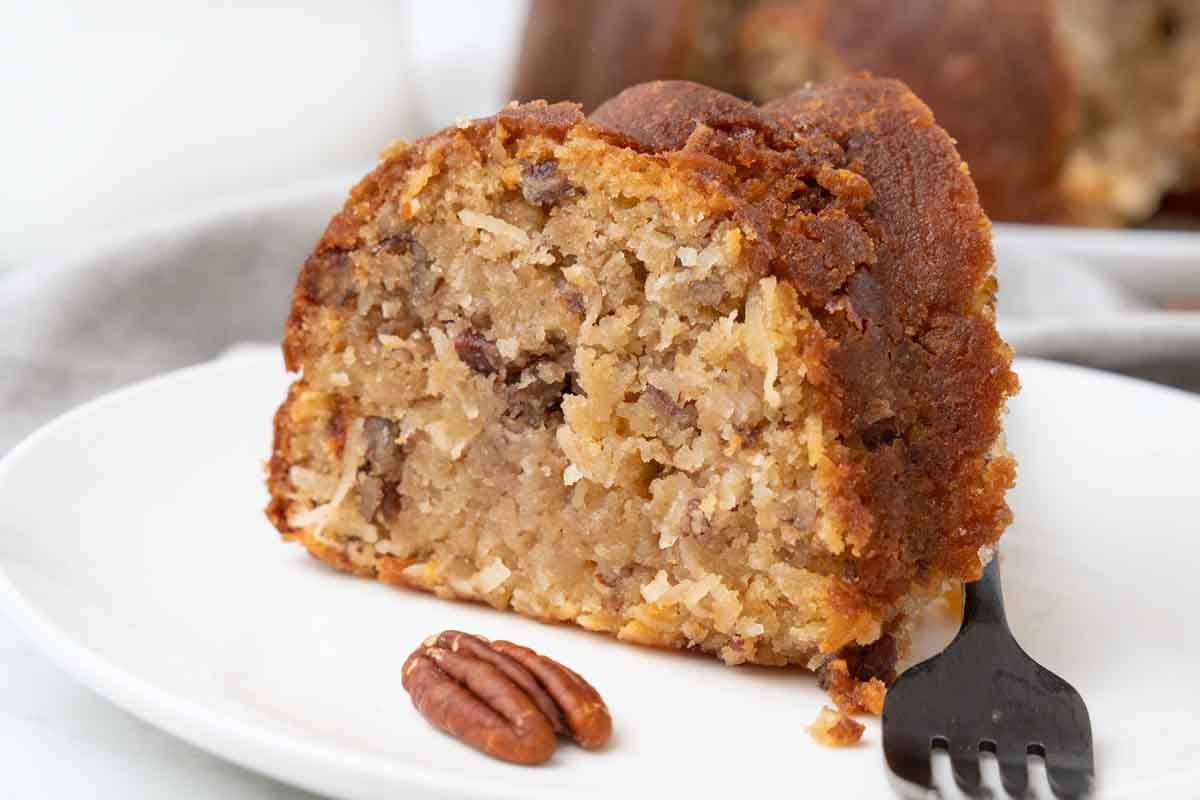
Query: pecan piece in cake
477,353
384,455
543,185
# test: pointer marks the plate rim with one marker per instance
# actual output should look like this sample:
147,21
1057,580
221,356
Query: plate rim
274,753
244,743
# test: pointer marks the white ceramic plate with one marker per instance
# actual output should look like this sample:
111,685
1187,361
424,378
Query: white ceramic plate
1159,265
135,554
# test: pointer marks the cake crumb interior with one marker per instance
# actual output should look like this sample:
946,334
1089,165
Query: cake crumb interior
559,395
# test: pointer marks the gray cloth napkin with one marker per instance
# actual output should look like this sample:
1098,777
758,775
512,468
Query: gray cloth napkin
186,291
177,294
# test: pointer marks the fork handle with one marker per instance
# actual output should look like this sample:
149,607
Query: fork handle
983,601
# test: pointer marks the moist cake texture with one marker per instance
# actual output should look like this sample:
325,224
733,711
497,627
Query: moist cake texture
690,372
1080,111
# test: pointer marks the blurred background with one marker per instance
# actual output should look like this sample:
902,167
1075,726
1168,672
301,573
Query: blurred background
122,113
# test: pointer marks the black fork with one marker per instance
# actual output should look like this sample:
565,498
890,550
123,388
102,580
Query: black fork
984,694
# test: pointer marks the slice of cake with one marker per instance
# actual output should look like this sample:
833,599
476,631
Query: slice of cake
689,372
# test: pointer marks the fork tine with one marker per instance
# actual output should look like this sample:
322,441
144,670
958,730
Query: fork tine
912,767
1014,768
1068,782
964,761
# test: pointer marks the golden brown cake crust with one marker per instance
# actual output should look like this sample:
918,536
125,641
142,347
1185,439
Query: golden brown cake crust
855,197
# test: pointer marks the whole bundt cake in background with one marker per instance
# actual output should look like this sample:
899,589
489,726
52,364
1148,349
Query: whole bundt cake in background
690,372
1076,111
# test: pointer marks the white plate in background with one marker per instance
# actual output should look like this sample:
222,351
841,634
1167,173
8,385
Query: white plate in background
134,553
1055,305
1158,265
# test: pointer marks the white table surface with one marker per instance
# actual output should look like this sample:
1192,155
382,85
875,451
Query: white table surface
60,740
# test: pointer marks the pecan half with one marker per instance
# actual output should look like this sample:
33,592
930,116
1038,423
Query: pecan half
503,699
